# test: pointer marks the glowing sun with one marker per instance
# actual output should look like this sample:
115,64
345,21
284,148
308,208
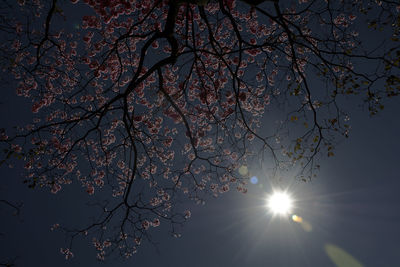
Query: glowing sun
279,203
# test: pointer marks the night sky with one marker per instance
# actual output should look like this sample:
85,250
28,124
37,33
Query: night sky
350,211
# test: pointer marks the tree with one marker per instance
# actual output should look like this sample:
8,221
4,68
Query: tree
146,103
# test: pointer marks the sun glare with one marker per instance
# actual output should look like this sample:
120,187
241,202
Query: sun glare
279,203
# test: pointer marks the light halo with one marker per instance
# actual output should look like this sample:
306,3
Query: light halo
279,202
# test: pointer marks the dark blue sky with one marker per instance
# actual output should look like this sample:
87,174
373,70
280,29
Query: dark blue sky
352,204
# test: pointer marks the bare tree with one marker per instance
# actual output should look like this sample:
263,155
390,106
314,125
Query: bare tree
146,103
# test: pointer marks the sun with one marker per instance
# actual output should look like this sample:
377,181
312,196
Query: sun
279,203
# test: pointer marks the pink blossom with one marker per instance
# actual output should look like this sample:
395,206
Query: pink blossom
137,240
145,224
16,148
55,188
156,222
106,243
187,214
54,226
68,254
90,189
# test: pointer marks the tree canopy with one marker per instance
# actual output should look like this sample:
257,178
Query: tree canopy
146,103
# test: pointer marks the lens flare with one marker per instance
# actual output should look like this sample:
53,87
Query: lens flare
279,203
254,180
340,257
296,218
243,170
304,224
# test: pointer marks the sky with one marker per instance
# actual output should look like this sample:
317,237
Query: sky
351,206
350,212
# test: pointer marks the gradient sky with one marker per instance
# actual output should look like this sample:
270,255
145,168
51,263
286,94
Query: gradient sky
352,204
351,208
